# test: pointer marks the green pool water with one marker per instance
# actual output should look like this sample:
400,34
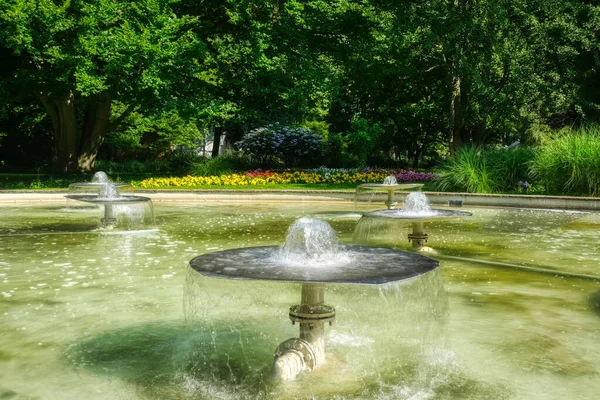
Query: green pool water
512,313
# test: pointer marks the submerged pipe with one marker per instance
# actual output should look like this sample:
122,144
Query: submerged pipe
109,218
307,352
418,237
390,203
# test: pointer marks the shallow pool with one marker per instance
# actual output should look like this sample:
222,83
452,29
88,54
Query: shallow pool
513,313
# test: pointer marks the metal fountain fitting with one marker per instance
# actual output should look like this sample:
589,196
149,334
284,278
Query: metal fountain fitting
310,314
308,351
418,237
109,218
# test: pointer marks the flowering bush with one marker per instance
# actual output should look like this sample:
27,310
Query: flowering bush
321,175
294,146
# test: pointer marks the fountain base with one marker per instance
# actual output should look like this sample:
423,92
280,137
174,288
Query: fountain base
108,222
307,352
418,237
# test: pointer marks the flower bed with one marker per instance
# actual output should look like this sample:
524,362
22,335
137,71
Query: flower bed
322,175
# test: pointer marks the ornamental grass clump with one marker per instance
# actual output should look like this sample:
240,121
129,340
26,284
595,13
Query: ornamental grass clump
465,171
278,144
569,162
477,170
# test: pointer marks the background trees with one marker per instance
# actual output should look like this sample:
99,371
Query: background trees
80,57
413,79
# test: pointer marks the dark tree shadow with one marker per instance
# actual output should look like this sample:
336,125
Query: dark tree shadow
161,359
594,302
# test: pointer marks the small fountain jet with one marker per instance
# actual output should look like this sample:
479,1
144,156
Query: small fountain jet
107,194
416,210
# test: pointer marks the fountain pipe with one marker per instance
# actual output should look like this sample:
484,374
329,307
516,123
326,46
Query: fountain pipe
390,203
109,218
308,351
418,237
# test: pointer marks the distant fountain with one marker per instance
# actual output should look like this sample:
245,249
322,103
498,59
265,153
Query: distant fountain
390,180
312,256
99,181
106,193
390,184
418,211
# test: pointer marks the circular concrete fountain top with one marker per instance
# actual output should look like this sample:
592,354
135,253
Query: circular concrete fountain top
360,264
434,214
108,200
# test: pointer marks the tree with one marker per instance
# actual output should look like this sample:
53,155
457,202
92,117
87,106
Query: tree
79,57
266,61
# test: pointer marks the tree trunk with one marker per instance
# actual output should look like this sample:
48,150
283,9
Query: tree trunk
77,150
95,126
217,132
480,133
456,114
62,112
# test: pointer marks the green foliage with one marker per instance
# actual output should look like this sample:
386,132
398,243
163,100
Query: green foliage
81,56
237,160
216,166
465,171
509,166
26,138
147,137
361,140
336,151
569,162
177,68
151,167
318,127
183,162
476,170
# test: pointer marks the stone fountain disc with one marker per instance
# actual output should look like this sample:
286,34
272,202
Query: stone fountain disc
399,214
104,200
368,265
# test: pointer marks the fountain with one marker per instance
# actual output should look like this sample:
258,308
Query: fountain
99,180
107,194
390,184
311,256
418,211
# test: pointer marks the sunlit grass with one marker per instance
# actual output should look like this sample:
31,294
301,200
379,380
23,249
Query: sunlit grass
569,162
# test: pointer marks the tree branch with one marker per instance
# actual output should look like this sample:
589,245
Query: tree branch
113,125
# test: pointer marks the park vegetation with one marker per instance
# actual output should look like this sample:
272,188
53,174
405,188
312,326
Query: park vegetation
447,84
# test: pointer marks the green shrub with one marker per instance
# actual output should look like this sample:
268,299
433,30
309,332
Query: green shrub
467,171
509,166
477,170
569,162
157,167
361,140
238,161
183,162
274,143
216,166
